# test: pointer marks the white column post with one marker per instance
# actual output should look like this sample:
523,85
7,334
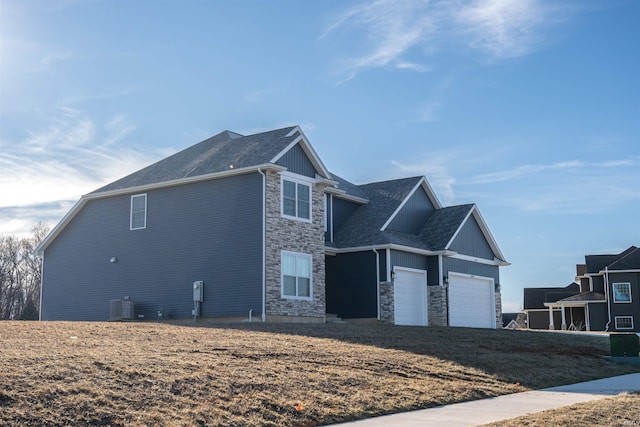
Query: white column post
564,320
586,316
551,324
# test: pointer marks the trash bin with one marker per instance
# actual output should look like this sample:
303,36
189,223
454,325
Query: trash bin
624,345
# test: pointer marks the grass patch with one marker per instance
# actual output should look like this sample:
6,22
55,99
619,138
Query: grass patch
617,411
134,374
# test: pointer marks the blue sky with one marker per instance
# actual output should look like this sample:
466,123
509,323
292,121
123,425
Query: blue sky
531,109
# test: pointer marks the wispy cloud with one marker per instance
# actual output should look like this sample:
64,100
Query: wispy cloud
48,61
537,169
566,187
503,28
68,157
392,30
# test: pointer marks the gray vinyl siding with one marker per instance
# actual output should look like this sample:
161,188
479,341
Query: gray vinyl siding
342,210
382,258
598,284
469,267
351,288
625,309
296,161
411,218
598,317
420,262
434,271
471,241
210,231
328,202
409,260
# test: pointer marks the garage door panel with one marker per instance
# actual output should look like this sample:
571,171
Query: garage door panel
410,297
471,302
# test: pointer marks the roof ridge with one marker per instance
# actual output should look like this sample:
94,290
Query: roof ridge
630,250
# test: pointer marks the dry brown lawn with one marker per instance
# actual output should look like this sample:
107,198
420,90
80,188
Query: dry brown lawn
136,374
619,411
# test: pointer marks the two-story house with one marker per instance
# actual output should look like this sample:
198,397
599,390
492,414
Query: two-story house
263,230
606,297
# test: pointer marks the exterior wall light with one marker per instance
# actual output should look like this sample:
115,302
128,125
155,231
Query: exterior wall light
113,260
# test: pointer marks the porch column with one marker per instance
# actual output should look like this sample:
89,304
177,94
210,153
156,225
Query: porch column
552,326
586,317
564,320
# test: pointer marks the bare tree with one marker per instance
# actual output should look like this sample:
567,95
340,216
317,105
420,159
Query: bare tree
20,275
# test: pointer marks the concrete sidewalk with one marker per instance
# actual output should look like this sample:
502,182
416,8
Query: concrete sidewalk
505,407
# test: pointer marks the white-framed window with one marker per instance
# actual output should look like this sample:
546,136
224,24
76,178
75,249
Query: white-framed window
624,322
622,292
138,219
296,198
296,275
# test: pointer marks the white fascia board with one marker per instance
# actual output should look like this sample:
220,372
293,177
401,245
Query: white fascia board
190,180
495,261
462,223
430,193
143,188
325,181
307,148
485,231
343,195
39,250
388,246
559,304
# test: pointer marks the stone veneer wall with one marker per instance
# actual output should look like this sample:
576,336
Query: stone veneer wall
437,305
387,313
295,236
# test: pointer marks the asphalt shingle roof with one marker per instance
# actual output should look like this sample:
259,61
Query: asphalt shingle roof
585,296
363,227
215,154
534,298
349,188
442,225
629,258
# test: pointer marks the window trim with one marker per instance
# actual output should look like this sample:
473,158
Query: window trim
298,180
308,257
613,290
617,318
131,227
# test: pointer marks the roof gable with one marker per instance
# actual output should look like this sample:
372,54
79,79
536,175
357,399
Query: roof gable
300,139
382,187
470,240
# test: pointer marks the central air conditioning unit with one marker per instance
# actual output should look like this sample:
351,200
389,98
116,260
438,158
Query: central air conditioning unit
121,309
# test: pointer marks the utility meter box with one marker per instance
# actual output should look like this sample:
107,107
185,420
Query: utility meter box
198,291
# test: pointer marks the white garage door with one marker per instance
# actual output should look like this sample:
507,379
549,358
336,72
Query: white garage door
471,301
410,297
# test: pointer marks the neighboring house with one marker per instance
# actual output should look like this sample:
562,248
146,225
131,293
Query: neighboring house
534,304
606,299
259,227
